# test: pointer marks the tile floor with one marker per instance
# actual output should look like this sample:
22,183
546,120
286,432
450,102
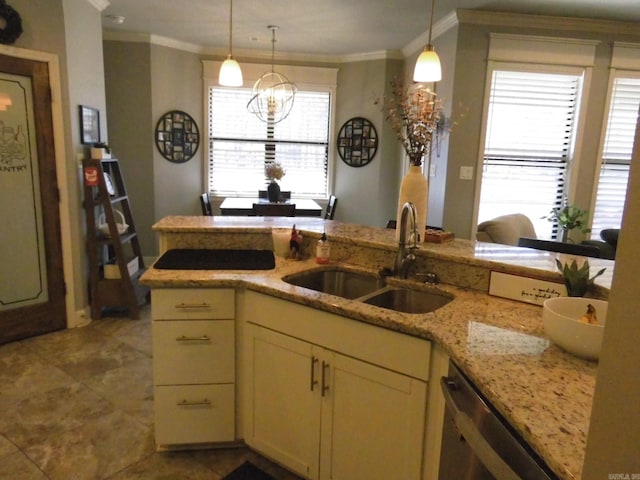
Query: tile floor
78,405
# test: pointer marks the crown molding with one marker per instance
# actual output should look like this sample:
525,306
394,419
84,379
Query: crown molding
439,28
100,5
520,20
240,54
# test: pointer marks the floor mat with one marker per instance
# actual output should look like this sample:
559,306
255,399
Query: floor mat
248,471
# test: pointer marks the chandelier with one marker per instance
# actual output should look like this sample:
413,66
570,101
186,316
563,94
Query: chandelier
273,93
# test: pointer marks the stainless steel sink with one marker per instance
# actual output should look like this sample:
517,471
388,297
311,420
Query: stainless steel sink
337,281
407,300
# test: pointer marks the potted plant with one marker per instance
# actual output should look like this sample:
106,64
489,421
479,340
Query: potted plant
274,171
576,279
569,217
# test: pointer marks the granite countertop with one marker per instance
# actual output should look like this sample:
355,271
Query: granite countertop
545,393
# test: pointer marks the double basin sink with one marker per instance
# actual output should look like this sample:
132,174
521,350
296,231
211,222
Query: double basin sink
370,289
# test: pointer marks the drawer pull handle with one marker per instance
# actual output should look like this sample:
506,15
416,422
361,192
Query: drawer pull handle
314,382
324,379
186,306
203,338
194,403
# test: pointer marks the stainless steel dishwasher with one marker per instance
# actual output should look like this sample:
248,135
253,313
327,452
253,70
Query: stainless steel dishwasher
477,443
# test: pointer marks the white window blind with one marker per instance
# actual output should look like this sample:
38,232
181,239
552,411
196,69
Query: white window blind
240,143
530,126
616,154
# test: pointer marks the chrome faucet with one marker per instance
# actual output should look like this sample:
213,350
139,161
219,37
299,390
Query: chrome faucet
407,241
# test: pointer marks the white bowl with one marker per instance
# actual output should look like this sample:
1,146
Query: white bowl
560,317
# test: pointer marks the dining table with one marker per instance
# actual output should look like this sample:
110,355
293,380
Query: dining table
243,206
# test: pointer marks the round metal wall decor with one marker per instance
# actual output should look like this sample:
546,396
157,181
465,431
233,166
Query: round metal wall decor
12,24
357,142
177,136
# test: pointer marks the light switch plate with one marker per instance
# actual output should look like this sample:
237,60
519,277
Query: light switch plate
466,173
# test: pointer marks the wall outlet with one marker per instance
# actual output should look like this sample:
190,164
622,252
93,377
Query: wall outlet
432,170
466,173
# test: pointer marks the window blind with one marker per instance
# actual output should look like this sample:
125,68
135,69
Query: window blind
616,155
530,125
240,143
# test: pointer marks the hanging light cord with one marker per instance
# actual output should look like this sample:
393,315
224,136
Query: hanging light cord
230,27
433,3
273,46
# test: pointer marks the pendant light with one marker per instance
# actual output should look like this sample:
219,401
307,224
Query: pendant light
428,67
273,93
230,74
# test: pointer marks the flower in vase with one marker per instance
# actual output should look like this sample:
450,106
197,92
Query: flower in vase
274,171
414,113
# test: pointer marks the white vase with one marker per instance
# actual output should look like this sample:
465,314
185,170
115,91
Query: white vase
415,189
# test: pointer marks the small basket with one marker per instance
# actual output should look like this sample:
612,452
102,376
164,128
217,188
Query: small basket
103,226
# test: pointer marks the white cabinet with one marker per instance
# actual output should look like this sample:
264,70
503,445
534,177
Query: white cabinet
193,365
323,413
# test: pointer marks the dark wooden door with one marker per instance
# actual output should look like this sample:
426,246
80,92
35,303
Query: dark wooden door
32,290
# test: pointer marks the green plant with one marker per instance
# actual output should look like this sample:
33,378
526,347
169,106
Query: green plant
577,279
569,217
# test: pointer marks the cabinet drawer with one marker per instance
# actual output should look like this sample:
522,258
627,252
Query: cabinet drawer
192,303
194,414
193,351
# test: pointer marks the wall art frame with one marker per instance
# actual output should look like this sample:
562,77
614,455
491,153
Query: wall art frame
177,136
89,125
357,142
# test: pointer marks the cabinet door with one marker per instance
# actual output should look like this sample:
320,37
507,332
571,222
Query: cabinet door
283,405
372,423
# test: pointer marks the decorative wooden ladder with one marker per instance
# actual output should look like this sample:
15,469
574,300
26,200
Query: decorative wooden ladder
113,249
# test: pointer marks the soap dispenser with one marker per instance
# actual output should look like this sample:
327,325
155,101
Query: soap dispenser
323,250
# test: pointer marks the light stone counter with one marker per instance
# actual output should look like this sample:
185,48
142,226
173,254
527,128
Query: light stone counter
544,393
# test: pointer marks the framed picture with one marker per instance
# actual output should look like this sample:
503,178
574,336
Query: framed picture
357,142
89,125
177,136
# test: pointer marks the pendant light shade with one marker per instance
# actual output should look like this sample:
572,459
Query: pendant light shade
230,74
428,67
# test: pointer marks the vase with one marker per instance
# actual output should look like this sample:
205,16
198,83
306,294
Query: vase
273,191
415,189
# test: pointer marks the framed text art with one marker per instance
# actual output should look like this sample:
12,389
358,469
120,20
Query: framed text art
177,136
89,125
357,142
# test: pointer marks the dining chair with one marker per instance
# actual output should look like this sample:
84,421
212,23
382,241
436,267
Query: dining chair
284,194
274,209
205,203
331,208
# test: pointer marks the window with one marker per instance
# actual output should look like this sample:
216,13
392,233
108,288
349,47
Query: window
240,143
616,154
530,127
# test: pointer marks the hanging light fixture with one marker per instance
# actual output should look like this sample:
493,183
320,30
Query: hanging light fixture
230,74
428,67
273,93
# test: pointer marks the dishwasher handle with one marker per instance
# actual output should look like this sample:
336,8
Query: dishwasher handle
483,450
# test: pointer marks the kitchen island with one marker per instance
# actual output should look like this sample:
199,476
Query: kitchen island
543,392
